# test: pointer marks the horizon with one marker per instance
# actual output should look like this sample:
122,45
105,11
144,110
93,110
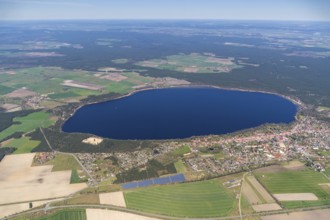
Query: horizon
161,19
253,10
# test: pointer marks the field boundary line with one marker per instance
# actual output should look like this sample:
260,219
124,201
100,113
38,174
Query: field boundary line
240,196
82,166
50,147
38,200
269,192
262,199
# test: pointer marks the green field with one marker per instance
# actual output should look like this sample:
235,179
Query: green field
5,90
44,80
305,204
75,177
23,145
198,199
28,123
64,162
48,81
306,181
66,215
181,151
327,170
295,182
325,153
63,95
120,61
180,167
192,63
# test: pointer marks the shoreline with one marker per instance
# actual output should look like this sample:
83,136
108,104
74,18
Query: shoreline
300,105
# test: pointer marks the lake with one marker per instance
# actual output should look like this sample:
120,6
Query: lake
180,113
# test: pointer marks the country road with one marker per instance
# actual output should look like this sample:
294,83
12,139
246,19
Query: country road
71,154
116,208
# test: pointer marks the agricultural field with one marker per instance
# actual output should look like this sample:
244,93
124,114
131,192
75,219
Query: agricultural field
181,151
47,84
19,179
75,177
5,89
305,204
198,199
120,61
327,170
192,63
63,95
63,162
109,42
23,145
102,214
66,214
306,215
180,167
325,153
260,190
28,123
113,198
257,196
301,181
89,198
28,54
38,45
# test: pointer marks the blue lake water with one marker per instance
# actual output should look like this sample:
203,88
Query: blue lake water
180,113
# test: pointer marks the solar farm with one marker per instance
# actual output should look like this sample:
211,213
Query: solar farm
197,199
179,178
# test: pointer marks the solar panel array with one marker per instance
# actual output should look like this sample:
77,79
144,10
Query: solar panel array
178,178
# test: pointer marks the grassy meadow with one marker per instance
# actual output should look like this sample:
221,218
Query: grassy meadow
181,151
303,181
180,167
23,145
198,199
192,63
48,80
63,162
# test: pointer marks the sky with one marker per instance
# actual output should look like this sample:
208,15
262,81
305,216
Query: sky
165,9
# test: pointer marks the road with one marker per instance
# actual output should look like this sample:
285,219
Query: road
240,196
50,146
74,156
116,208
